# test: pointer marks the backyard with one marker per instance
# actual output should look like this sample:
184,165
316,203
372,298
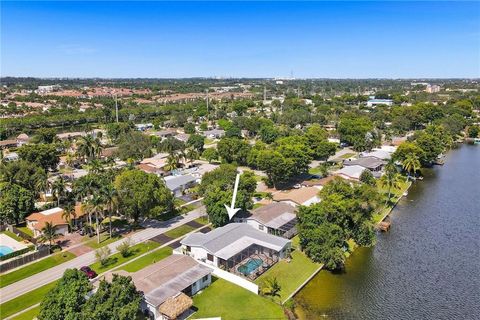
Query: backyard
228,301
290,275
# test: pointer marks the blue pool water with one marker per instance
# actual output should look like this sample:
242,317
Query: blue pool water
5,250
250,266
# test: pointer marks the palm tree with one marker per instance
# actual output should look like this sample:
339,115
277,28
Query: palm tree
58,189
69,214
411,163
172,162
192,154
109,195
96,206
88,147
70,159
49,234
391,178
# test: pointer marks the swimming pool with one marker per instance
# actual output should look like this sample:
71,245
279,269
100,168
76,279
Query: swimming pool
5,250
250,266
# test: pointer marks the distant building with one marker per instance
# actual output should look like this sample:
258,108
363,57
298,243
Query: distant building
47,89
376,102
214,134
432,88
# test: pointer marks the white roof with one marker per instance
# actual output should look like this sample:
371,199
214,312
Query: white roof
351,171
380,154
51,211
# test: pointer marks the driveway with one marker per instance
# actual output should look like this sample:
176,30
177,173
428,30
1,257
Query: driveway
153,229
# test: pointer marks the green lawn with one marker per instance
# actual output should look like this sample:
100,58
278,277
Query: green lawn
179,231
26,230
28,315
290,275
202,220
104,240
257,205
117,259
34,268
347,155
24,301
147,260
316,170
396,194
228,301
12,235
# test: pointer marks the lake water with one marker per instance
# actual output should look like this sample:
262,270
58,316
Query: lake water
426,267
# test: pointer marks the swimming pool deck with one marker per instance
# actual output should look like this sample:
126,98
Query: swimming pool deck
7,241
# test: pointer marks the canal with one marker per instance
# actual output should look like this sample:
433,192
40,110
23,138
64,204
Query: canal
426,267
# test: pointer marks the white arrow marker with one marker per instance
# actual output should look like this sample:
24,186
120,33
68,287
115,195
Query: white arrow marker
232,210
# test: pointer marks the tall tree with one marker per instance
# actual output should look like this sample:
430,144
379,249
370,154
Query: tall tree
16,202
411,164
49,234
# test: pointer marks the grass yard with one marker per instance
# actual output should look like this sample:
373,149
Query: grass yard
228,301
147,260
257,205
179,231
12,235
396,194
290,275
26,230
202,220
34,268
117,259
28,315
347,155
104,240
24,301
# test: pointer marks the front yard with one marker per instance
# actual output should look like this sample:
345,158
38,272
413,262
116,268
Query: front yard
147,260
36,267
228,301
290,275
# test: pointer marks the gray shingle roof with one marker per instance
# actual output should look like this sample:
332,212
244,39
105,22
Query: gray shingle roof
228,240
367,162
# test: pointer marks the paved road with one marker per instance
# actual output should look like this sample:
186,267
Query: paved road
153,228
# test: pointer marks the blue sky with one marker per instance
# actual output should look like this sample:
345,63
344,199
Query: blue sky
250,39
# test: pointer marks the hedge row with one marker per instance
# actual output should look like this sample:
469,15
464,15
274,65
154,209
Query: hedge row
16,253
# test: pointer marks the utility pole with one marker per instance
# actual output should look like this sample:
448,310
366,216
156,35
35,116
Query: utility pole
116,106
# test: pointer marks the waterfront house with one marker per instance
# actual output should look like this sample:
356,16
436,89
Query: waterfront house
277,218
168,286
238,248
371,163
379,154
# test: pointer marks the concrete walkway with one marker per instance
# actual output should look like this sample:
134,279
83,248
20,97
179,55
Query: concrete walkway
153,228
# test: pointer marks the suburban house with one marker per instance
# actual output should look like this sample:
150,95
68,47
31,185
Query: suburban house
12,156
178,184
304,196
371,163
379,154
352,172
148,168
4,144
277,218
37,221
182,137
22,139
214,134
166,133
168,286
376,102
238,248
158,161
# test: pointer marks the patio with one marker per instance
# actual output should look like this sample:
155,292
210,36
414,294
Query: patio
251,262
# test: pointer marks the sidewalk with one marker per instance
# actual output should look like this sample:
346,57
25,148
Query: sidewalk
153,229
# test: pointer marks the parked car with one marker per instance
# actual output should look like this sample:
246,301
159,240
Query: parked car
88,272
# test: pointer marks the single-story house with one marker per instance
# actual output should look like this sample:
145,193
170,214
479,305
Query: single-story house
148,168
304,196
182,137
350,172
12,156
379,154
37,221
166,133
277,218
22,139
214,134
178,184
168,286
238,248
143,126
371,163
108,152
8,144
158,161
71,135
